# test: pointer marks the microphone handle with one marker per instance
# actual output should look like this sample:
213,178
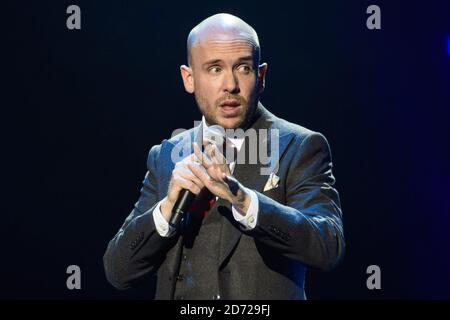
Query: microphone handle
183,203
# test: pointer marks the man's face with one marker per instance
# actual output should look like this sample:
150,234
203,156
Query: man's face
225,79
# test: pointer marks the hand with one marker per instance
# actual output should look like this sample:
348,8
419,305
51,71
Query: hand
182,178
212,170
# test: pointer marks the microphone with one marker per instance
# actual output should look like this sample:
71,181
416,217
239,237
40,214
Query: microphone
214,134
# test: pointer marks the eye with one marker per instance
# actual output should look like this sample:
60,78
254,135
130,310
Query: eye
214,69
245,69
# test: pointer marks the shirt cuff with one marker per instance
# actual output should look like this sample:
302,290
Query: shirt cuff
162,226
249,219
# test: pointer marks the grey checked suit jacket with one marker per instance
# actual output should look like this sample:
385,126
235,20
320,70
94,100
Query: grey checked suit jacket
299,222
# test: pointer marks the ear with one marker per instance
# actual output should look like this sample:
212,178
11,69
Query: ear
262,69
188,78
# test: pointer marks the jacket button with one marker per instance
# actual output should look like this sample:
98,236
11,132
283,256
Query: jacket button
216,297
180,277
184,257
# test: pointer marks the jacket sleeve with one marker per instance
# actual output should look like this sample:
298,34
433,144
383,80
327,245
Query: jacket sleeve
137,249
309,227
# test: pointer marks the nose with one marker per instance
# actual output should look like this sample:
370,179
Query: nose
231,84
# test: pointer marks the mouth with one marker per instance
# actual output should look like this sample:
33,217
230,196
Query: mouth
230,103
230,108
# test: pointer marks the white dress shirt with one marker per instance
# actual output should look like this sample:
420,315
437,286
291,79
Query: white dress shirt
248,219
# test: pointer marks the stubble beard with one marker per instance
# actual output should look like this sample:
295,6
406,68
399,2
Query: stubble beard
211,119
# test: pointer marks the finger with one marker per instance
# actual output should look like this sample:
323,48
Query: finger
203,158
191,177
183,165
218,156
183,169
197,152
213,150
220,161
186,184
193,157
208,150
215,168
216,173
213,154
201,173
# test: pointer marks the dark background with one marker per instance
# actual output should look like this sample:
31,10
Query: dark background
81,109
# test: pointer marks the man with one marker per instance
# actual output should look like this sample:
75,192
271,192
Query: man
247,235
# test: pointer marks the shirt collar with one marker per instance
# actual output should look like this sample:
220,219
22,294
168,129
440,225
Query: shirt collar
237,142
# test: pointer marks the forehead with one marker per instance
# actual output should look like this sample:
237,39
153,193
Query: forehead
223,47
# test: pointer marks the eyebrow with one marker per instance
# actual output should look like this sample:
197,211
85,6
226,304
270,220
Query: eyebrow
210,62
247,58
216,61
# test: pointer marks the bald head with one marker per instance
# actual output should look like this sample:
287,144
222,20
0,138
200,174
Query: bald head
222,26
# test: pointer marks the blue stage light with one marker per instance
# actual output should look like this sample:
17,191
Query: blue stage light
448,45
